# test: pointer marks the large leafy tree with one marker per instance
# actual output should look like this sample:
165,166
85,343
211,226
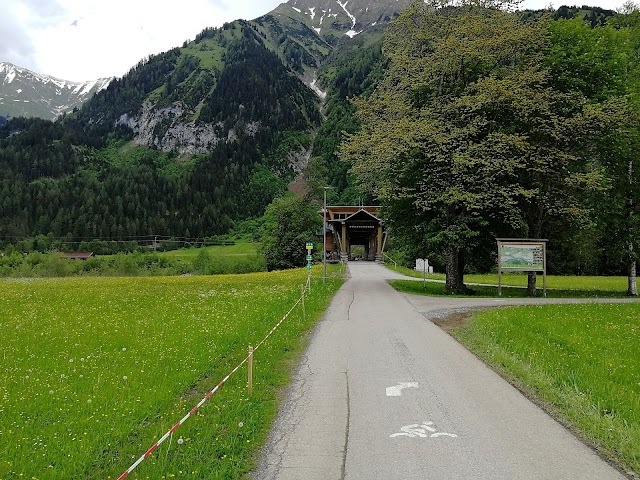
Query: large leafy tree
465,136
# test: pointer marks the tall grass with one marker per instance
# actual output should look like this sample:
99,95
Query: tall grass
95,370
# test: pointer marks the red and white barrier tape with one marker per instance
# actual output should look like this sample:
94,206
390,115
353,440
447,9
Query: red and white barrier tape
203,401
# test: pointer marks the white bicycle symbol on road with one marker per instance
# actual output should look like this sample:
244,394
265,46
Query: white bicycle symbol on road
423,430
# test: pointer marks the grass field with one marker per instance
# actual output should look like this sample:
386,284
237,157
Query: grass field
580,361
95,370
190,254
417,287
564,286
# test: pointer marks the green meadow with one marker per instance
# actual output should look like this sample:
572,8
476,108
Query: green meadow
213,260
580,362
555,282
190,254
580,290
95,370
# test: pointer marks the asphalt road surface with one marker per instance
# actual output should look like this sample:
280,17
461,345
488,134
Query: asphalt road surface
383,393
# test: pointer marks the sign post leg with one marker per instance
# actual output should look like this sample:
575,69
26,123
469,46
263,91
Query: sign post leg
250,368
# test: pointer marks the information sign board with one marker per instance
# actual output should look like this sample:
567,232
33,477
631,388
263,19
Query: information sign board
522,255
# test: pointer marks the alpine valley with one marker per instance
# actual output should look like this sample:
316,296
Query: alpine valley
195,139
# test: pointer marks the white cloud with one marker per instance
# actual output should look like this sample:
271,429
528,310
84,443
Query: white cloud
87,39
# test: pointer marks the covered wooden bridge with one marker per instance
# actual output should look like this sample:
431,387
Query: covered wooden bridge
354,225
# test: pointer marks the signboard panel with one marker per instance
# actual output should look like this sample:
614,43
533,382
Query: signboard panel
522,255
525,258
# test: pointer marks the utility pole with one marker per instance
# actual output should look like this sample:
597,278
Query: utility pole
324,237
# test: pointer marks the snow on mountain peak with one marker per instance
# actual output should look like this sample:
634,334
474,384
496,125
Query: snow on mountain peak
344,7
10,71
51,95
347,17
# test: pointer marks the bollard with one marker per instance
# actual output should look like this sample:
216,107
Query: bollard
250,369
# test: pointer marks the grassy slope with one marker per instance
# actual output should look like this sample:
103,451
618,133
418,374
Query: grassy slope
580,361
95,370
208,51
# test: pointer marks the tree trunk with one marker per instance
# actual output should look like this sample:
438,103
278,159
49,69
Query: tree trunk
632,289
454,282
531,284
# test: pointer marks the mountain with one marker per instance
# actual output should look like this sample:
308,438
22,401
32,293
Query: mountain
226,85
24,93
334,18
192,140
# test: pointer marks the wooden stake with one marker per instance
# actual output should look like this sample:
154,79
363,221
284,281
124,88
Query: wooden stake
250,384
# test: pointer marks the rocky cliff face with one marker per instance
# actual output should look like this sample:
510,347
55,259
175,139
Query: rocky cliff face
184,137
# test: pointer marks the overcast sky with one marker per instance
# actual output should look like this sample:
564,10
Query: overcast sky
88,39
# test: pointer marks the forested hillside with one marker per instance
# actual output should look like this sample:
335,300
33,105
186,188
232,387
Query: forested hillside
129,163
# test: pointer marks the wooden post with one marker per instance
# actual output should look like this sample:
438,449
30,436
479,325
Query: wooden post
345,246
499,270
544,265
304,311
250,383
424,273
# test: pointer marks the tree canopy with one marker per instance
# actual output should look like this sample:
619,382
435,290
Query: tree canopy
484,125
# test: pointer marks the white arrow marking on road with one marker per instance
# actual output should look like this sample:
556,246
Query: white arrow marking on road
396,390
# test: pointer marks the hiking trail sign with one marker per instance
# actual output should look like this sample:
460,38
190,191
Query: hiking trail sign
522,255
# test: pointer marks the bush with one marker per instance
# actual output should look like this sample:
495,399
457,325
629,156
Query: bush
289,223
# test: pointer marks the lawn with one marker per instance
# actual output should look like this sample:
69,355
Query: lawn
568,285
580,362
95,370
583,290
190,254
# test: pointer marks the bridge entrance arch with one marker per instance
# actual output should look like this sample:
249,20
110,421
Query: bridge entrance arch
349,226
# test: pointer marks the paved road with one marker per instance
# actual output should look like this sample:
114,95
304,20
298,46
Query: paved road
461,420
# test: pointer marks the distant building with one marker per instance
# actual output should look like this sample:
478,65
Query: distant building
355,225
78,255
